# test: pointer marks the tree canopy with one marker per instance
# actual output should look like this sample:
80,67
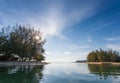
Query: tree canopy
103,56
22,41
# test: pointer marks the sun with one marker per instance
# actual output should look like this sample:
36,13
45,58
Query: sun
37,37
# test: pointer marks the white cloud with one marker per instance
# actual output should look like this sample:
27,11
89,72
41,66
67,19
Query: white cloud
113,46
48,53
66,56
113,39
89,39
54,22
78,47
80,56
71,58
67,53
52,19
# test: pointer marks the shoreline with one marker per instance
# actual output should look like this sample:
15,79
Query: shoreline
20,63
104,63
35,63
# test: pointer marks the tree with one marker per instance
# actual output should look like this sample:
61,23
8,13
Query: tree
23,41
103,56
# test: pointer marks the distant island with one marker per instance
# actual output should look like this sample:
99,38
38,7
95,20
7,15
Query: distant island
103,56
81,61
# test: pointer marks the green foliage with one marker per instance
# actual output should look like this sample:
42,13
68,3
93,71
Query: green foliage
39,57
21,41
103,56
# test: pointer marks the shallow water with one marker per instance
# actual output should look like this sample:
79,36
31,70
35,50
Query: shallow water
60,73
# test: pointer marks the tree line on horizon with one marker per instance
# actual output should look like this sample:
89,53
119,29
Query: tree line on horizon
21,42
103,56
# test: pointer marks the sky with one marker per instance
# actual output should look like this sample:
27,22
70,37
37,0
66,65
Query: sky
72,28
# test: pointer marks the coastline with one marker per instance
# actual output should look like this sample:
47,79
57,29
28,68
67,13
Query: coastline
104,63
17,63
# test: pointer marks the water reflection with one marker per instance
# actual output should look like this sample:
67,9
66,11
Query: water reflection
21,74
104,71
60,73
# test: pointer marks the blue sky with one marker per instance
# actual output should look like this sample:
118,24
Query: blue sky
72,28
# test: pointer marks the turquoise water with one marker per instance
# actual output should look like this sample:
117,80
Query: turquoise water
60,73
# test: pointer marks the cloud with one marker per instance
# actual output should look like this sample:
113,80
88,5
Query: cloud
67,53
113,39
89,39
80,56
113,46
52,17
73,57
78,47
48,53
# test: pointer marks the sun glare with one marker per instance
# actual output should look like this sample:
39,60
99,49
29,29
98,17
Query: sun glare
37,37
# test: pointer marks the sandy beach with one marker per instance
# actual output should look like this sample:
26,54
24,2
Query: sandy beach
104,63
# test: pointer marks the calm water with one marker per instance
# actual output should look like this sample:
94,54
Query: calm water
60,73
